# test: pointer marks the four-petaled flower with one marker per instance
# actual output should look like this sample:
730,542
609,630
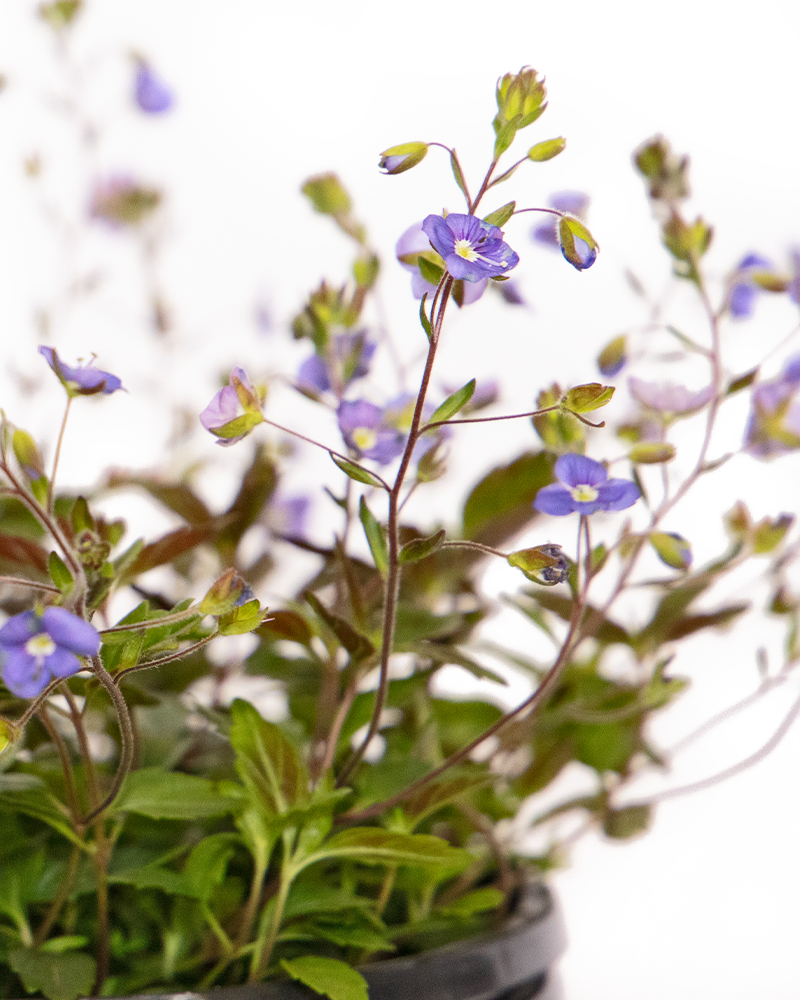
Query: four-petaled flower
84,381
411,245
37,648
234,411
152,94
471,248
366,431
584,487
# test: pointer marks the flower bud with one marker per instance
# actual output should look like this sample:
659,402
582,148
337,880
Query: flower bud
397,159
544,564
229,591
520,95
672,549
27,454
613,357
577,244
585,398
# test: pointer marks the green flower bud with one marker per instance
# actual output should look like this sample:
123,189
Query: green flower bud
397,159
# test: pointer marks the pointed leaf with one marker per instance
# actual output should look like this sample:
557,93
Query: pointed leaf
375,537
421,548
357,472
423,318
457,172
501,215
171,795
59,976
454,402
266,762
327,976
372,846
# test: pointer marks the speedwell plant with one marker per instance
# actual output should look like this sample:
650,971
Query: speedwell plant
150,841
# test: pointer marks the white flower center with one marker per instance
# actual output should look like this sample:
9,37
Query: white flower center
40,647
364,438
466,250
583,493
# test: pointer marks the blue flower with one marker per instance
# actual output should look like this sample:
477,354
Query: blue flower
773,426
584,487
471,249
152,95
411,245
85,381
37,648
366,431
742,298
346,358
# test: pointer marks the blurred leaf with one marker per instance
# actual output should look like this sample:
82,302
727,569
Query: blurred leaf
419,548
546,150
357,645
288,625
171,795
375,537
372,846
266,762
327,976
59,573
430,272
621,824
59,976
178,497
167,549
23,552
502,502
651,453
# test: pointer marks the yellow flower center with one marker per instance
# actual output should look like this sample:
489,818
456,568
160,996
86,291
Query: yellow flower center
364,438
583,493
466,250
40,647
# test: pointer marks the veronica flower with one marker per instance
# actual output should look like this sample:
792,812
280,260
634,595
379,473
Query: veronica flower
234,411
84,381
741,301
414,242
346,358
152,94
471,249
583,486
287,516
573,202
794,281
773,426
667,398
365,430
37,648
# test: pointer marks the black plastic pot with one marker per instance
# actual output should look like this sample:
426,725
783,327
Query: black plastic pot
516,962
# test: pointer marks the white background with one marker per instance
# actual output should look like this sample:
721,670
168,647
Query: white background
705,905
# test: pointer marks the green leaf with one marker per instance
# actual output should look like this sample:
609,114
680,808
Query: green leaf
357,645
375,537
357,472
457,172
477,901
266,762
156,877
420,548
171,795
546,150
327,976
207,864
672,549
372,846
742,382
59,573
365,271
500,216
430,272
426,323
454,402
501,504
245,618
59,976
29,795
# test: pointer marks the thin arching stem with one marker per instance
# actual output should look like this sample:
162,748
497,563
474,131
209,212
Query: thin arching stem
51,484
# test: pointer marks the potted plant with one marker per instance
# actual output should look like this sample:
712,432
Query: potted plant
346,833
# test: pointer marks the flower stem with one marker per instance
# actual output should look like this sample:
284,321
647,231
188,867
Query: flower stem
51,484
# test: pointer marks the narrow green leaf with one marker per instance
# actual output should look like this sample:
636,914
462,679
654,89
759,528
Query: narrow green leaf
457,173
375,537
454,402
501,215
421,548
59,573
372,846
357,472
328,976
357,645
266,761
430,272
423,318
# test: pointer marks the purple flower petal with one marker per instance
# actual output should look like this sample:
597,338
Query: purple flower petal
471,249
574,202
666,397
617,494
578,470
19,629
86,381
22,674
313,374
555,499
70,632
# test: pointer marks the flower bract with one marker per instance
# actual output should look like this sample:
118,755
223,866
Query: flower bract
583,486
37,648
471,249
84,381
